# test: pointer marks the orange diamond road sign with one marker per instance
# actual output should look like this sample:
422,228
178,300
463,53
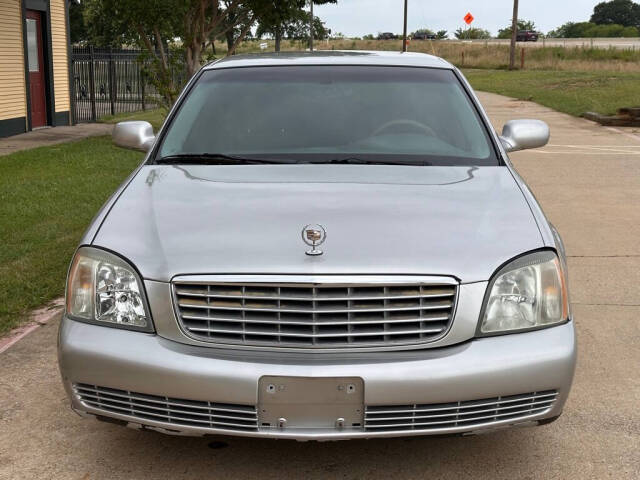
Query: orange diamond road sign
468,18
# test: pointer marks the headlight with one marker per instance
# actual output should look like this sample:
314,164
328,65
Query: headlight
528,293
102,288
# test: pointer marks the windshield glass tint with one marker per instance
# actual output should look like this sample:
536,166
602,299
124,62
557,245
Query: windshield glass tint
331,113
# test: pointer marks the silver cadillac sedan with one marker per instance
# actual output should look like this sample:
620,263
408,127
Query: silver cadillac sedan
316,247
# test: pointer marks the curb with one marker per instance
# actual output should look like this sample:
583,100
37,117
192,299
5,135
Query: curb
39,317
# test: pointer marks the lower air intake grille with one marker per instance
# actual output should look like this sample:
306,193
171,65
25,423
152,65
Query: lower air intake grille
457,414
176,411
325,314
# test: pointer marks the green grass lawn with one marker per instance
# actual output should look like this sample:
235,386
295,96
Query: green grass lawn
48,196
570,92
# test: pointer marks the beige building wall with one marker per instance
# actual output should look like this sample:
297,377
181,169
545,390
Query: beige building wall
60,55
13,99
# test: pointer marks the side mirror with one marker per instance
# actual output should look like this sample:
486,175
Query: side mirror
136,135
524,134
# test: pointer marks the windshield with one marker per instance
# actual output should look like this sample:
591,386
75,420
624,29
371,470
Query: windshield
329,114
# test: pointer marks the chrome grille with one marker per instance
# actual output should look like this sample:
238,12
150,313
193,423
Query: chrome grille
169,410
315,315
457,414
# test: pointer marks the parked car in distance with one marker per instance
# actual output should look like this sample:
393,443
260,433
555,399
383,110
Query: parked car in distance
321,246
424,36
387,36
527,36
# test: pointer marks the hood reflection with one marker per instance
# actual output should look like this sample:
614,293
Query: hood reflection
319,173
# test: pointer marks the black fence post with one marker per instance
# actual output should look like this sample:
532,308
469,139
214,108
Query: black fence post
92,85
72,89
141,79
112,87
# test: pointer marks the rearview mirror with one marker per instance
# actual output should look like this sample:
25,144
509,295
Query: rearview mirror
136,135
524,134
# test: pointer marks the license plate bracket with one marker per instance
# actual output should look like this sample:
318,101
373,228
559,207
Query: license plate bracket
335,403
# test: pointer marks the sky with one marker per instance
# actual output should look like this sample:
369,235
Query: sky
359,17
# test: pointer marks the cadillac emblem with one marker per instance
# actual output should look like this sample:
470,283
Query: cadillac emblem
314,236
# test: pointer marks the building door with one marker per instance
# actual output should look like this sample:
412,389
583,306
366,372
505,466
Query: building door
35,59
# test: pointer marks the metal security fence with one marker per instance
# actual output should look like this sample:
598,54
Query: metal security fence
107,81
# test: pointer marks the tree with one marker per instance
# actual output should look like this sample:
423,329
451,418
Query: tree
620,12
472,34
240,17
441,34
77,28
184,25
293,24
104,29
591,30
312,18
299,29
274,20
288,17
522,25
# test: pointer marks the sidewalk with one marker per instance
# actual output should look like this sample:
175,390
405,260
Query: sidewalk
51,136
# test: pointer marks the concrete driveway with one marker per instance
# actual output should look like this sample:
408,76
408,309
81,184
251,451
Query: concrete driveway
588,181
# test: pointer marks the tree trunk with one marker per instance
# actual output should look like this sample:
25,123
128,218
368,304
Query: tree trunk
237,41
514,35
229,36
278,37
311,27
193,54
161,77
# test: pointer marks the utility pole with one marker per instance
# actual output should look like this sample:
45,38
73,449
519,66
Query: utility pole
311,28
404,34
514,34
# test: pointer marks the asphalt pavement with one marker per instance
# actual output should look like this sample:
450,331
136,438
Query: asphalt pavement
588,181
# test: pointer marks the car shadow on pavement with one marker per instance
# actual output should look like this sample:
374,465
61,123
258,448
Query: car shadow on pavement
498,453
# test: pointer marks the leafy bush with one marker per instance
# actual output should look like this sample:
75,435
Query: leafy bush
472,34
426,31
592,30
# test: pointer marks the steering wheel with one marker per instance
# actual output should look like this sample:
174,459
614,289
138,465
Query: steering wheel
405,121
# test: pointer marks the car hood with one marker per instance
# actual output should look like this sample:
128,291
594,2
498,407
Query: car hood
379,219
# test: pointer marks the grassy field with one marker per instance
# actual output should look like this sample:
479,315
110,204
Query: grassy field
569,92
480,54
48,196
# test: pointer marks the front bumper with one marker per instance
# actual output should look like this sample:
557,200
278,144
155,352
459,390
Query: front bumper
483,368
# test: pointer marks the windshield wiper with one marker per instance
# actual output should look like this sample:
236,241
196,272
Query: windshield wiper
227,159
363,161
213,159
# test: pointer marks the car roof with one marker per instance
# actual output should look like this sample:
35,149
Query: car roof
332,57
